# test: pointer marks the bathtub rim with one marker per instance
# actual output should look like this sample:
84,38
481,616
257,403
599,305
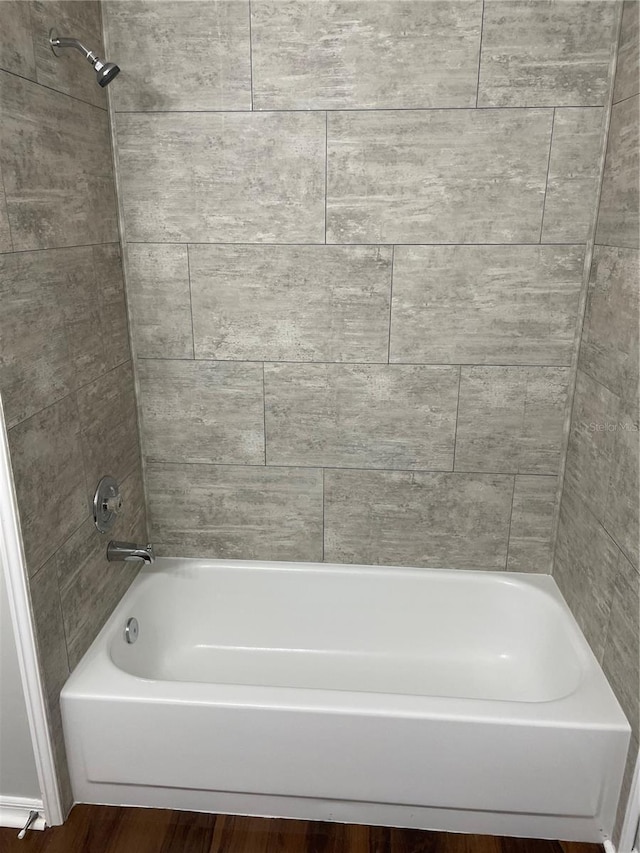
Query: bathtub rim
98,675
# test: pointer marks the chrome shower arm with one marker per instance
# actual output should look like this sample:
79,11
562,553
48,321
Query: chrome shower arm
62,41
106,71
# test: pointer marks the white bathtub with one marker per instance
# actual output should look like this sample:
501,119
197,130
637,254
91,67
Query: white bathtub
450,700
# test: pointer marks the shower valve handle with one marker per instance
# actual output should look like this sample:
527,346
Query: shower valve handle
113,503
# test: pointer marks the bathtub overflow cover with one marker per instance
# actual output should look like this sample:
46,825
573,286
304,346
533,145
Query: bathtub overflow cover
131,630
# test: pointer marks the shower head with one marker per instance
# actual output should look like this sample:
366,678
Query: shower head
106,71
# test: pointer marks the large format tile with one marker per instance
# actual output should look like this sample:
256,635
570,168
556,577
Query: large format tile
16,39
69,72
602,459
448,176
510,419
63,324
108,426
202,411
384,55
588,454
62,193
90,586
6,244
36,366
47,468
485,304
623,488
621,657
49,630
229,177
417,519
236,512
546,54
159,300
628,67
609,343
361,416
574,171
618,216
181,56
531,530
109,282
291,303
585,567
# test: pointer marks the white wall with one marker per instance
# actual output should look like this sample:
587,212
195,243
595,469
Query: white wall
18,776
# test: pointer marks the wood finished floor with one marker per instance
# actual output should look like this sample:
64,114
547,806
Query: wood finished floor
106,829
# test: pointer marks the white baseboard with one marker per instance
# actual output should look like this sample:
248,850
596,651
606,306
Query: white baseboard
14,811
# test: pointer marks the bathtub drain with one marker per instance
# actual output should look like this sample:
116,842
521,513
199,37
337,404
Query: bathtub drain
131,630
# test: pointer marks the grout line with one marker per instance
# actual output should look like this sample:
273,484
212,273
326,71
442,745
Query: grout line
582,369
609,246
62,248
455,434
32,577
250,59
51,89
506,559
6,208
65,634
599,523
319,467
193,334
264,413
323,524
425,244
393,255
439,364
307,111
326,171
622,100
70,393
546,185
480,55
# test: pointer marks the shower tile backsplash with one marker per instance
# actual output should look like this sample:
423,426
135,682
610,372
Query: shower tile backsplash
253,512
222,177
574,168
510,419
388,54
202,411
158,294
354,287
437,176
181,56
541,54
361,415
291,303
417,518
62,193
485,304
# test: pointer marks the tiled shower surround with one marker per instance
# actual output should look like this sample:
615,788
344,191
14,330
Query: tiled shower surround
596,557
65,364
355,246
354,237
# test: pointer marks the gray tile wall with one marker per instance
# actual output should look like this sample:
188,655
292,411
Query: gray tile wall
65,364
596,561
355,244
